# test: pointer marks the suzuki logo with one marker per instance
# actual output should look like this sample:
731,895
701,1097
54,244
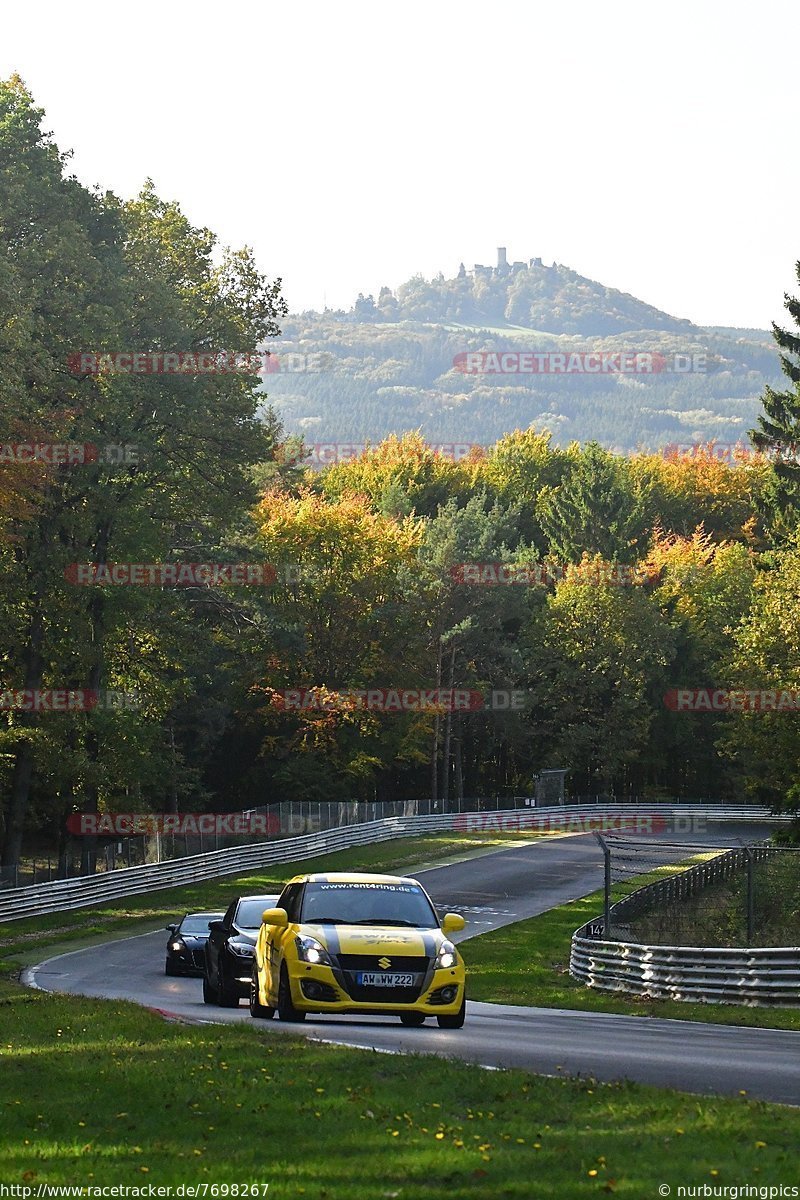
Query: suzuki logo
384,962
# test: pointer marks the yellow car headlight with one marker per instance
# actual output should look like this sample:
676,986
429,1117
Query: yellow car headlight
309,950
446,957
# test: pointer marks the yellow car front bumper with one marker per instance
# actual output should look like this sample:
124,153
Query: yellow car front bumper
317,988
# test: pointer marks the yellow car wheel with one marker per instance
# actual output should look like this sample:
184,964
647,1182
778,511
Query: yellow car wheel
286,1009
457,1020
412,1018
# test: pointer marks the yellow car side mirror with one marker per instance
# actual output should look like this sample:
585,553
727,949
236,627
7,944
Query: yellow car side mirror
452,923
275,916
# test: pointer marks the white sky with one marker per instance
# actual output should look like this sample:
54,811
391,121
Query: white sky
647,145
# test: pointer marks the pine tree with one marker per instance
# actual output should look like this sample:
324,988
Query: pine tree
778,432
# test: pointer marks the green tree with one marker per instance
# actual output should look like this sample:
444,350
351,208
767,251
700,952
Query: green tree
778,430
517,469
601,507
92,274
473,631
764,743
598,657
705,588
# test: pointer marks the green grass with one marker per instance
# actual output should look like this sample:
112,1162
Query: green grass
24,942
104,1093
528,963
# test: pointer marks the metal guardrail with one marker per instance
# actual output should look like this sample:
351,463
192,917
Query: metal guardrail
287,818
66,894
717,975
762,975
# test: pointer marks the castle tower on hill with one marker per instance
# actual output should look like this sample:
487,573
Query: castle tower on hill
503,266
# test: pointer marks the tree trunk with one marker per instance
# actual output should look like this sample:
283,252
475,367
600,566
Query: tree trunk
23,760
436,723
459,776
448,725
97,618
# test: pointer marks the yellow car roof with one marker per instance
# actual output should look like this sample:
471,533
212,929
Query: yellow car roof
350,877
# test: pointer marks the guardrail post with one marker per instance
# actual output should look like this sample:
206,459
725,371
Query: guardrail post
751,900
606,885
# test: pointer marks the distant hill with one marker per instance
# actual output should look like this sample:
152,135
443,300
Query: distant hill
397,362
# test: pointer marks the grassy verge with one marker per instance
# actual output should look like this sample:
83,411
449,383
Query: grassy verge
528,963
105,1093
24,942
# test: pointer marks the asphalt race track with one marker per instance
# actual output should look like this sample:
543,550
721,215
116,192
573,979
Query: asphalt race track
492,891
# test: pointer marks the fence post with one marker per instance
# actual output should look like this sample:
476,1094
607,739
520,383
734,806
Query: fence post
606,885
751,906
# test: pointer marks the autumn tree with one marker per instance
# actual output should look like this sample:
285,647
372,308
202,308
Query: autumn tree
343,616
401,475
86,272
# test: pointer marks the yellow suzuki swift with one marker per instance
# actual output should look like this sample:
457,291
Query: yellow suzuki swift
347,943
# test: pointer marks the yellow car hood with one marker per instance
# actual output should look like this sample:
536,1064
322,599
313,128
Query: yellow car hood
366,939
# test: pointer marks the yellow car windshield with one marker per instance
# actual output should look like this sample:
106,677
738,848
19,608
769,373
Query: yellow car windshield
367,904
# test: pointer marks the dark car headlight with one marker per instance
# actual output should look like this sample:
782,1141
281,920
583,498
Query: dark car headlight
243,949
176,946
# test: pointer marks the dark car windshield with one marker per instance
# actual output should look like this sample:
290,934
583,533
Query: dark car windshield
368,904
198,925
248,914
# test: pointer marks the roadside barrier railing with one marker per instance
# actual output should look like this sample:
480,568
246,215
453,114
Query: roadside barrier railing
157,837
67,894
756,975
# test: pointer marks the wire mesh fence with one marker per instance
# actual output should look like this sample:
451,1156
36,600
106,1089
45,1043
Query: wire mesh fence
200,833
694,894
157,841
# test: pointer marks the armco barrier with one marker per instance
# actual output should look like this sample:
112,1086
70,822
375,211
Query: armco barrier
65,894
762,975
753,976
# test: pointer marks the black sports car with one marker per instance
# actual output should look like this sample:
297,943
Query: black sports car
229,950
186,945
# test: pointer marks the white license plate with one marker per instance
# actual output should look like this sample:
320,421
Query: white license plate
382,979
